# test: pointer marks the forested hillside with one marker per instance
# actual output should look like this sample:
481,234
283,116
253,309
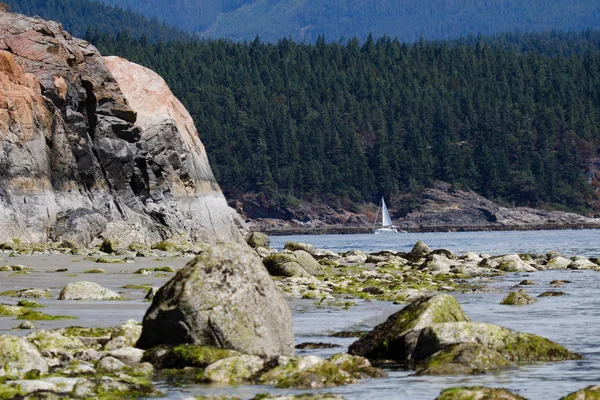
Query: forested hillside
79,15
328,122
408,20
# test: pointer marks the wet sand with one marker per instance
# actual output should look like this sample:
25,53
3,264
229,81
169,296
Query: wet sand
89,313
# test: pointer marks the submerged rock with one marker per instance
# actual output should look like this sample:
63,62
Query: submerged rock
84,290
517,299
478,392
392,339
223,298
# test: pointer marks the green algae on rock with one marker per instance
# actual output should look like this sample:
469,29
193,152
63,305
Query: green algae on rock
515,346
186,355
233,370
18,357
517,299
463,359
588,393
390,341
478,392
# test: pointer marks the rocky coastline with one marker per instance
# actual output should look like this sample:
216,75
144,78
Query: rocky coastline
430,335
442,209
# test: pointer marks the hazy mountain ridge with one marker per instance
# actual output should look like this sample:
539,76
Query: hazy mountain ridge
77,16
408,20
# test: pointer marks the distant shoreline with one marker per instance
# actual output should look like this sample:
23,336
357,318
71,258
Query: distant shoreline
349,230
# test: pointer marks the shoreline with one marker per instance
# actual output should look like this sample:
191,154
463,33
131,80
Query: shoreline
352,230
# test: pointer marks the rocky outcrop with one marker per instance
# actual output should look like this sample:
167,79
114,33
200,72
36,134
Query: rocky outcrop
224,298
93,148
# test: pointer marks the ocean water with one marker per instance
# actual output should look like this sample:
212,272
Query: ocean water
572,320
585,242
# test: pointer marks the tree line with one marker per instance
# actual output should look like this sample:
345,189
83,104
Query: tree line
334,122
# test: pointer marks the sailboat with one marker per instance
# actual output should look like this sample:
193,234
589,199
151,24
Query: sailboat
386,220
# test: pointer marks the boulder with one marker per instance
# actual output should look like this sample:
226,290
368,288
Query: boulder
508,263
354,257
463,359
18,356
258,239
293,246
419,250
519,298
125,335
293,264
395,339
233,370
581,263
589,393
478,392
514,346
84,290
95,148
186,355
308,372
558,262
223,298
109,246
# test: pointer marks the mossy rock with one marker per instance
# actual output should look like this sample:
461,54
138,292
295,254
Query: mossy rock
233,370
293,246
552,293
589,393
307,372
463,359
296,264
109,246
478,392
30,304
18,357
515,346
95,271
164,269
33,293
174,245
391,340
28,314
257,239
111,260
519,298
419,250
186,355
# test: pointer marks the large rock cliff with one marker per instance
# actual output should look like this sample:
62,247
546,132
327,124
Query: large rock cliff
93,148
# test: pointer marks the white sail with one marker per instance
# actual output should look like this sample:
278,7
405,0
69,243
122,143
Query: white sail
386,220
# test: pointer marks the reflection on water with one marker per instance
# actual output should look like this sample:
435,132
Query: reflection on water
585,242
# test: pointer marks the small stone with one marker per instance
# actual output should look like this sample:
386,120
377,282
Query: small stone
110,364
142,271
26,325
109,246
527,282
233,369
87,291
315,346
552,293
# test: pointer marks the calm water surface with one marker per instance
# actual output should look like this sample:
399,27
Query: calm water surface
569,242
572,320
